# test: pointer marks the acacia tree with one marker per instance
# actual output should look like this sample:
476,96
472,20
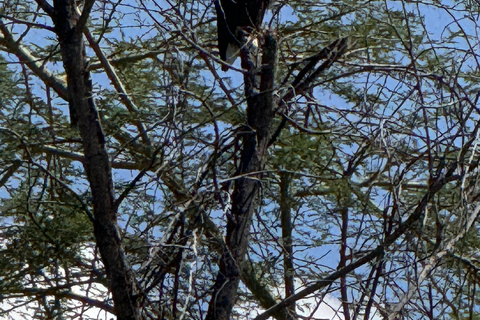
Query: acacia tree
339,160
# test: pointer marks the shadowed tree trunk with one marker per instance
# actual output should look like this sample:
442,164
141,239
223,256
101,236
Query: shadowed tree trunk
69,26
255,137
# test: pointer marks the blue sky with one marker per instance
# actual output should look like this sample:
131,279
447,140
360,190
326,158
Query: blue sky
437,22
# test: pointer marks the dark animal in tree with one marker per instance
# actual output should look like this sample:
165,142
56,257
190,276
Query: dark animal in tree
235,21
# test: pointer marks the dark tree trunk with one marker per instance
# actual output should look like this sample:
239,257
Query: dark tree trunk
252,160
97,166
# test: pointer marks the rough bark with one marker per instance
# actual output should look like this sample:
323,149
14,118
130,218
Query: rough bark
252,160
68,27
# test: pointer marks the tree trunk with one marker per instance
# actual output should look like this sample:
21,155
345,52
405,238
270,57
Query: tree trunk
252,160
97,166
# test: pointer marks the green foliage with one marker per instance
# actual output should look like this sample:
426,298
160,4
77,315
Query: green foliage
368,140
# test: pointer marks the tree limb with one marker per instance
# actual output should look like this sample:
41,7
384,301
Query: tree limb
37,67
436,186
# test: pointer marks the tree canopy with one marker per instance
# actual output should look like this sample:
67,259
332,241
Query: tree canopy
336,160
